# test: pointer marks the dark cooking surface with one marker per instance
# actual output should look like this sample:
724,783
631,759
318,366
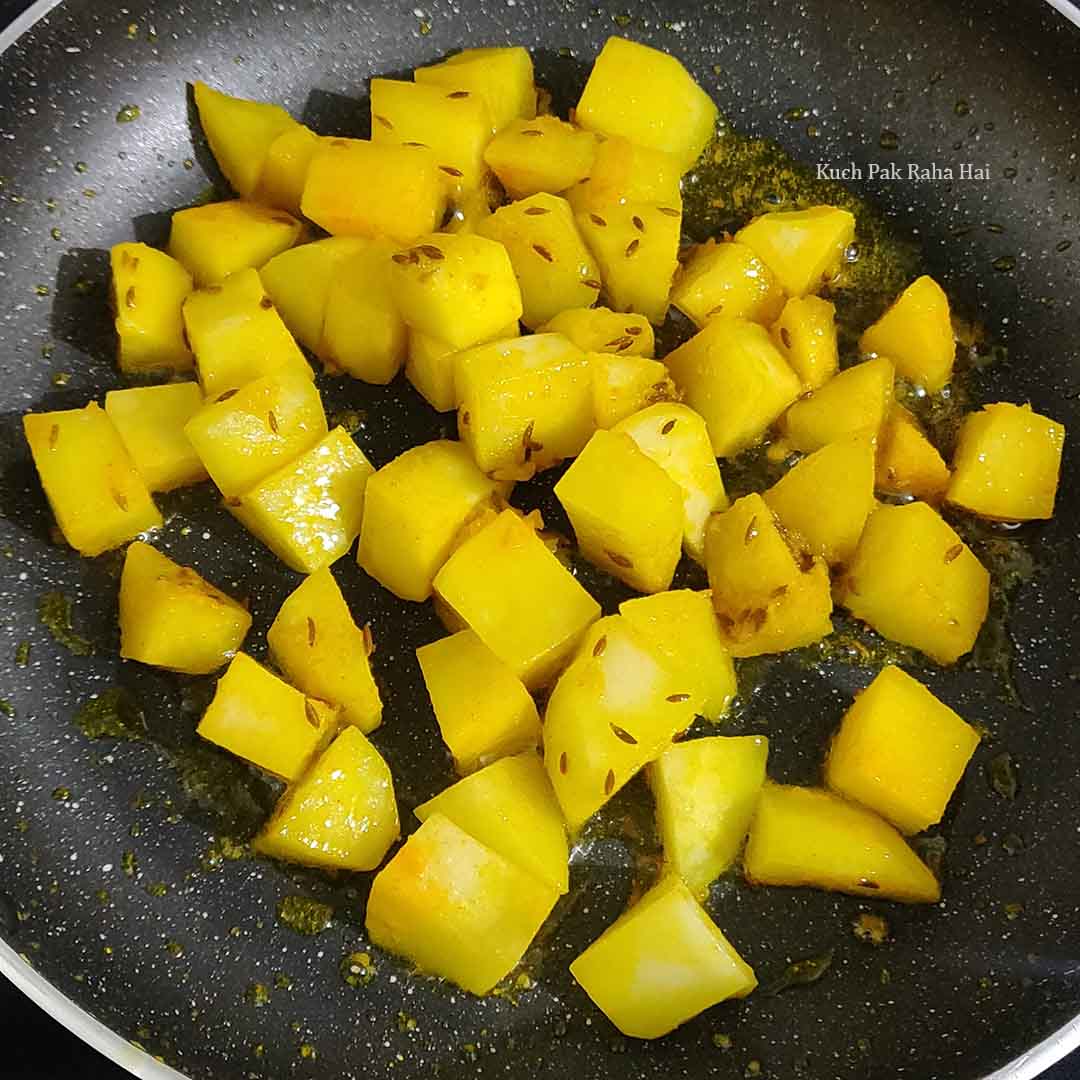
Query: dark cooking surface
968,987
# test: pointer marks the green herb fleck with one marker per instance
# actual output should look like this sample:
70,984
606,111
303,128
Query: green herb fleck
307,1052
425,27
174,949
81,167
304,915
1002,771
129,864
22,653
352,420
871,928
42,290
932,851
54,611
158,889
1013,843
113,714
103,897
357,969
722,1041
282,981
753,1068
406,1023
801,973
61,378
61,794
1013,911
223,849
128,113
7,708
257,994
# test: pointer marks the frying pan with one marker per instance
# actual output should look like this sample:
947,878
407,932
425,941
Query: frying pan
114,895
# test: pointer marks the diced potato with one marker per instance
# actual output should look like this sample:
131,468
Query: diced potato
729,279
734,376
626,511
623,172
308,512
614,709
806,836
681,628
502,76
675,437
805,333
549,257
900,752
97,497
824,501
797,618
217,239
286,167
360,188
544,154
172,618
469,209
260,718
636,246
510,807
624,385
248,433
148,288
908,463
803,248
459,289
661,963
1007,463
706,791
601,330
649,98
341,815
456,908
240,134
916,335
150,422
857,401
915,581
413,509
238,335
482,708
431,364
505,585
525,404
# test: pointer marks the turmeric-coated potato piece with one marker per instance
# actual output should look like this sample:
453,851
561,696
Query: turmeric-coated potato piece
805,333
501,75
908,463
601,330
543,154
726,279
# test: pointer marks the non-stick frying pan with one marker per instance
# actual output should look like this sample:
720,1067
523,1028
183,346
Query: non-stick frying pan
112,887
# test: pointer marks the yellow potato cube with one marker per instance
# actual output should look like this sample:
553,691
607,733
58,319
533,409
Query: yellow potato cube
916,334
649,98
217,239
803,248
457,288
624,385
431,364
240,134
286,167
900,752
523,604
316,643
729,279
248,433
614,709
626,511
308,512
544,154
734,376
915,581
148,288
601,330
359,188
510,807
797,618
907,462
97,497
502,76
636,246
681,628
413,509
150,422
706,792
455,908
805,333
806,836
172,618
525,404
857,401
261,719
824,501
661,963
341,815
624,172
675,437
1006,463
238,335
481,706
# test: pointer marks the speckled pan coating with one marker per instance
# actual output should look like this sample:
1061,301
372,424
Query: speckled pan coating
960,991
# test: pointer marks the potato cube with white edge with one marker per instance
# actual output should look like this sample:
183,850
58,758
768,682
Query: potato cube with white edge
624,384
510,807
455,907
661,963
340,815
805,332
706,791
626,511
732,374
506,585
413,509
675,437
543,154
430,366
482,707
315,641
601,330
260,718
726,279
